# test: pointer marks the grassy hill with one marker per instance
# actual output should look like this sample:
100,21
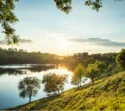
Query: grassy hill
106,94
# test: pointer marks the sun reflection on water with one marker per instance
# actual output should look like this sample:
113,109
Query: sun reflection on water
63,70
59,70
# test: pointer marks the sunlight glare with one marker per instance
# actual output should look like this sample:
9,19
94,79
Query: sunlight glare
63,44
62,70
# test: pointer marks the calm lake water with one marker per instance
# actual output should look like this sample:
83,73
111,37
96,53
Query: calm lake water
10,75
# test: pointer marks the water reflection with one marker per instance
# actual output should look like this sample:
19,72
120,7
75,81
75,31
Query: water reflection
11,76
23,69
12,71
9,80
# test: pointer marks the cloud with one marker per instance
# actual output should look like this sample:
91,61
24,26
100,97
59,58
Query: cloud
99,41
25,41
4,42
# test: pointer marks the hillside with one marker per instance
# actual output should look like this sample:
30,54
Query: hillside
106,94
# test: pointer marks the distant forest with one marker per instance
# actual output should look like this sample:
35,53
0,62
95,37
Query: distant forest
14,56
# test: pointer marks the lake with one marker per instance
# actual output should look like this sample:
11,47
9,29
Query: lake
10,75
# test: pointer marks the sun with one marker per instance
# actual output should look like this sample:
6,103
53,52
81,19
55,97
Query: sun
63,44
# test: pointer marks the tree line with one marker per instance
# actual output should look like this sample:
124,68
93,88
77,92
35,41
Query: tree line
14,56
106,60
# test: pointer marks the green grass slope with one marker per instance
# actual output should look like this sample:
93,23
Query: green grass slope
106,94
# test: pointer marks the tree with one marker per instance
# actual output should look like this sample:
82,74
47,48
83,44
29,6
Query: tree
8,17
120,59
54,83
79,73
101,65
93,71
29,87
65,5
110,68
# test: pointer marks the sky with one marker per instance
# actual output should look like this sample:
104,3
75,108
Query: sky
42,27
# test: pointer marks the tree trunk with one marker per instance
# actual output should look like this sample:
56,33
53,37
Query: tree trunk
30,95
30,98
80,84
93,81
58,91
80,79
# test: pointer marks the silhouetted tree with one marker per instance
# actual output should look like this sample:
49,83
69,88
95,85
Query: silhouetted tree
29,87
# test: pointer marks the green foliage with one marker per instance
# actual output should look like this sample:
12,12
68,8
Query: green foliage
95,4
113,69
54,83
7,17
64,5
102,60
93,71
101,65
120,59
85,58
29,87
79,73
